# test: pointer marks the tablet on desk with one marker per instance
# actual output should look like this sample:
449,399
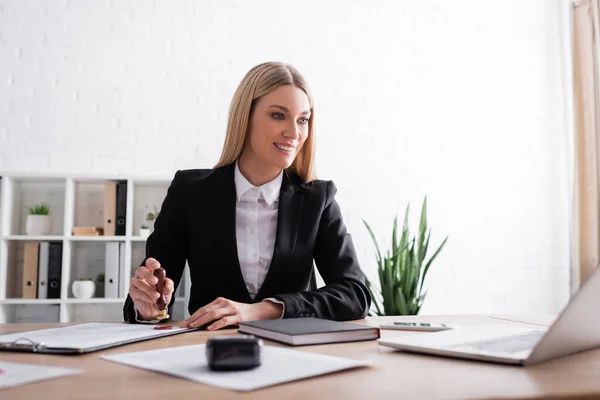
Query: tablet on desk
416,326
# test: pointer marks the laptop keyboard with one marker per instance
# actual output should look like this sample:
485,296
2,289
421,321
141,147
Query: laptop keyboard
506,344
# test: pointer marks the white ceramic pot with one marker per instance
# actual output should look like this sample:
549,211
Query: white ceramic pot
83,289
39,225
144,232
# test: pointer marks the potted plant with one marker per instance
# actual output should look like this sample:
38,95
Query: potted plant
148,225
83,288
144,231
39,221
151,216
402,269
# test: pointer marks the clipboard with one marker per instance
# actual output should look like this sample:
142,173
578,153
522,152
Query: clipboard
84,338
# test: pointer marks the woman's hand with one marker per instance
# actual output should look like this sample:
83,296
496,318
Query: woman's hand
225,312
142,290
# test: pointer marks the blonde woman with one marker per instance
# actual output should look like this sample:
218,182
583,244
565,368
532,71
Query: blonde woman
251,227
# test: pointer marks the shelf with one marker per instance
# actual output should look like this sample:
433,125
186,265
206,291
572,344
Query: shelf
97,238
59,301
93,300
30,301
53,238
74,200
29,238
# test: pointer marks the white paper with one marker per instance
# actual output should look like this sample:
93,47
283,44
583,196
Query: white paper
278,365
15,374
89,335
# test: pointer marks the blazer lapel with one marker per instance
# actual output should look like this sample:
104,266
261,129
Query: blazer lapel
288,220
223,206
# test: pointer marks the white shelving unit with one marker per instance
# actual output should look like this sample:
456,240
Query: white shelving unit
74,201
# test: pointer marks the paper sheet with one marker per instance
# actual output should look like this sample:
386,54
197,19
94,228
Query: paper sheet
15,374
278,365
89,335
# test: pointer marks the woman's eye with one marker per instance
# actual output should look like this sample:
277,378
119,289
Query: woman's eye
303,121
277,115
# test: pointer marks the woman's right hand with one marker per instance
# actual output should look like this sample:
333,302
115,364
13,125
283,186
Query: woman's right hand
142,290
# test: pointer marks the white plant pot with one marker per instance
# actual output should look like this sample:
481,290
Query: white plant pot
39,225
83,289
144,232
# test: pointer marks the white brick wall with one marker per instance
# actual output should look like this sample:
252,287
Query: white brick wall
461,100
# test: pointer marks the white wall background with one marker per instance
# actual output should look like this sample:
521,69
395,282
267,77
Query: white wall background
459,100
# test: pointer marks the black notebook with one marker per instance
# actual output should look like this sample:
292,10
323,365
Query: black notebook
303,331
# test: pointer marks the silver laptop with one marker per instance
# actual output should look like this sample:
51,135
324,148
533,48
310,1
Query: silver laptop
576,329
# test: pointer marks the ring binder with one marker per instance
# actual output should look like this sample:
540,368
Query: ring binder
82,338
31,346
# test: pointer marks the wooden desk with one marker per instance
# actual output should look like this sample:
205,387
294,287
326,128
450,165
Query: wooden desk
393,374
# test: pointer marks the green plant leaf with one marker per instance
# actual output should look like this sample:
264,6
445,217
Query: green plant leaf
407,269
404,238
397,259
401,304
426,246
39,209
394,232
422,230
373,296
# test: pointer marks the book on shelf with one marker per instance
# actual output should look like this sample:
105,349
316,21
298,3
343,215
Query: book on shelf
87,231
304,331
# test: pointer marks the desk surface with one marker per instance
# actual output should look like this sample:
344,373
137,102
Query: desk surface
393,374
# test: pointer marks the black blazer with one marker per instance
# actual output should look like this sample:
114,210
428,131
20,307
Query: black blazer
197,224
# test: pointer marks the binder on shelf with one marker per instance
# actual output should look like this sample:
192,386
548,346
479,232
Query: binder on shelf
30,269
111,270
122,293
54,269
42,290
121,208
110,208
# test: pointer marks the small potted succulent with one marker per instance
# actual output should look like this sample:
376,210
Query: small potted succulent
149,218
39,221
83,288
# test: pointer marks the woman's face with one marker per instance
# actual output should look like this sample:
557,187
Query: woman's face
278,127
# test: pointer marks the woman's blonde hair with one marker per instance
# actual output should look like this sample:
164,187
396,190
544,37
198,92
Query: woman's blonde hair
259,81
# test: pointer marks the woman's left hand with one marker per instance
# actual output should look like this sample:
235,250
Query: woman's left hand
226,312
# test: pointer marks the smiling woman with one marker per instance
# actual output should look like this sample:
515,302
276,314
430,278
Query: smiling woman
251,228
278,130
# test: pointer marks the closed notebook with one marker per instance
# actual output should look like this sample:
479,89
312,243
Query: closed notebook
303,331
